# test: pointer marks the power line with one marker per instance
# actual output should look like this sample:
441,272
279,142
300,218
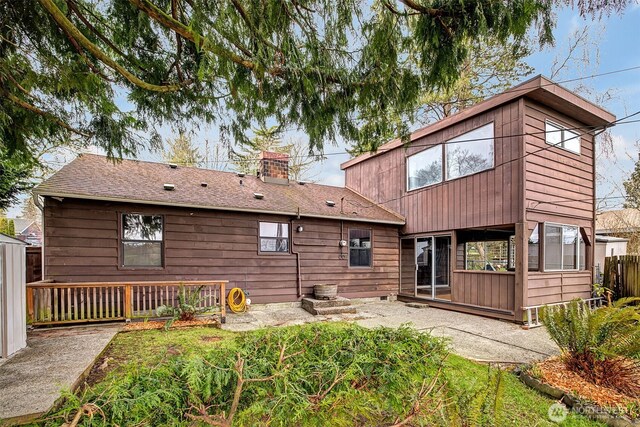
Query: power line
585,129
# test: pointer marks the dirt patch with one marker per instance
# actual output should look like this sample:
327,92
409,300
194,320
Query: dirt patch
555,373
178,324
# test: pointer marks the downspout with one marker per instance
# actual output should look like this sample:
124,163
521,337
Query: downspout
39,204
297,254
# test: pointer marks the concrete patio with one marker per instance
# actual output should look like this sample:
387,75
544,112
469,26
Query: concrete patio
474,337
54,359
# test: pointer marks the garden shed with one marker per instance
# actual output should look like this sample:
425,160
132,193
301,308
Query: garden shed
13,316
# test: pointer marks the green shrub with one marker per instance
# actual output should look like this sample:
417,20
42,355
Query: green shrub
187,308
599,344
318,375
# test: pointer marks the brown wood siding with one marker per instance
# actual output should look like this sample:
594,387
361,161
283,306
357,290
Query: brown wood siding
81,245
483,199
493,290
560,188
550,287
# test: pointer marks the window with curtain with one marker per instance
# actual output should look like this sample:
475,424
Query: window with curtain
274,237
141,240
360,248
562,244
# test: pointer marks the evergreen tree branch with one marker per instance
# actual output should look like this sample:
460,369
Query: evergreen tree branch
69,27
49,116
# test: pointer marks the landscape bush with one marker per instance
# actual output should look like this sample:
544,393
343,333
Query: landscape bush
601,345
314,375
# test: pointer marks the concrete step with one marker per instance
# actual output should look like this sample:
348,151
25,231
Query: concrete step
326,311
321,307
324,303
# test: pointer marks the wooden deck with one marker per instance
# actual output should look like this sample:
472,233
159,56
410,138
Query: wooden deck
52,303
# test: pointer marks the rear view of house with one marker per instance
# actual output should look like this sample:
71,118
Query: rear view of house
499,201
488,211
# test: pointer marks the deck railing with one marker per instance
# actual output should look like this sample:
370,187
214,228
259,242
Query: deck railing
50,303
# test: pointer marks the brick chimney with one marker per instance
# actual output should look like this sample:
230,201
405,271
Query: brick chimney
274,167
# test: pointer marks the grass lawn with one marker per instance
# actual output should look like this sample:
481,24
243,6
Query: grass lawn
135,358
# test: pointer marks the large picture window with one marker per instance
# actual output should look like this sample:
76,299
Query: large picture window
561,137
274,237
359,248
142,237
562,244
470,153
424,168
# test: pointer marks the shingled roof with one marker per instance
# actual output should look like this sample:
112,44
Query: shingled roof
96,178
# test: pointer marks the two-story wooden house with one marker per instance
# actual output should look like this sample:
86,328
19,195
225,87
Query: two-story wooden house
488,211
499,201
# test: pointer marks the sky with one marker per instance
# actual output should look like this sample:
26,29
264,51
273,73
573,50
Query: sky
613,44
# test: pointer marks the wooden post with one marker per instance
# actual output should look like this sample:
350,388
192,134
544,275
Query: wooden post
521,290
30,310
128,312
223,303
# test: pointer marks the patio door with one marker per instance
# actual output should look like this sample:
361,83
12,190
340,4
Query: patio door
425,267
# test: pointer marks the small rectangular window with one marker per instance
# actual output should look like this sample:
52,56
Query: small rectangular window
470,153
561,247
424,168
142,239
360,248
561,137
274,237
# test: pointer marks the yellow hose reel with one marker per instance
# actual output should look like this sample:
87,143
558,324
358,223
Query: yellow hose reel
238,302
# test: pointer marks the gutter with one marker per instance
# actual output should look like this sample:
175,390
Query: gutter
220,208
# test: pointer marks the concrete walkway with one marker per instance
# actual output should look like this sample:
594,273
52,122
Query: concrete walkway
473,337
31,380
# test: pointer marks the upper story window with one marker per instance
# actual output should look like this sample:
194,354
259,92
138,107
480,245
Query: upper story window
142,237
274,237
360,247
561,137
424,168
563,245
470,152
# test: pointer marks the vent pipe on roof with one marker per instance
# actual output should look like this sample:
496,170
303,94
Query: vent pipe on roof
173,166
258,196
203,184
330,203
169,187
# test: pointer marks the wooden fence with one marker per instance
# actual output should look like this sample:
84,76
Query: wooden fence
50,303
34,263
622,275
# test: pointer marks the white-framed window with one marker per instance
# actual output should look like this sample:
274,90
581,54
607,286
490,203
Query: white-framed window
470,153
424,168
561,137
141,240
564,248
274,237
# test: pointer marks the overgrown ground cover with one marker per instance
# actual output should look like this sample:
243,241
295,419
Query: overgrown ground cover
312,375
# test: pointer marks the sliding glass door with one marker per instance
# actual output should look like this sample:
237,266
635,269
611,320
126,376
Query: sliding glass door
425,267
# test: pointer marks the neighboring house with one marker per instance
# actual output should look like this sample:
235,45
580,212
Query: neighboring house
607,246
623,223
499,201
488,211
28,230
